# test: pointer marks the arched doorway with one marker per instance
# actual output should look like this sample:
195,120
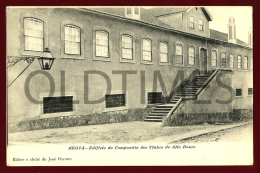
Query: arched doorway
203,61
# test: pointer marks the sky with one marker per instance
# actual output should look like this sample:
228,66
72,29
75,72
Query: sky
243,19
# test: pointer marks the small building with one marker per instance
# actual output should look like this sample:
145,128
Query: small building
120,58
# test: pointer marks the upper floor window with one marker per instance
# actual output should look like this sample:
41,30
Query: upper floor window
192,22
127,47
214,58
231,61
191,55
33,33
136,10
201,25
128,10
102,44
246,63
223,60
72,39
164,52
147,50
239,62
179,54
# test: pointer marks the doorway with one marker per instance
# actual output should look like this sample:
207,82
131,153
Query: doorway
203,61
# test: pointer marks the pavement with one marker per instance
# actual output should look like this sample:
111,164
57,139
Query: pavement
118,133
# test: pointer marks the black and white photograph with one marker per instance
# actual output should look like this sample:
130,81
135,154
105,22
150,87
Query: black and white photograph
129,85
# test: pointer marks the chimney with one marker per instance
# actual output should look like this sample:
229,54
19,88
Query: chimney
132,12
232,30
250,37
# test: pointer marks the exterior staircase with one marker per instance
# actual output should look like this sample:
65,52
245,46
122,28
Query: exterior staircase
188,90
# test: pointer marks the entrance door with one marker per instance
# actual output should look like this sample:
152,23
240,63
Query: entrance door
203,61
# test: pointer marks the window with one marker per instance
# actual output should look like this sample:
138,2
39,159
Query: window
238,92
137,10
154,97
102,44
147,50
246,63
191,56
201,26
250,91
192,22
223,60
57,104
179,54
33,34
231,60
127,47
214,58
128,11
239,62
164,52
115,100
72,39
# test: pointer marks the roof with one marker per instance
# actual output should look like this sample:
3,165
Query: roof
218,35
146,14
150,15
160,11
224,37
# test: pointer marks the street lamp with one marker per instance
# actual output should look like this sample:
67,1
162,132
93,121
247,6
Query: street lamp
46,59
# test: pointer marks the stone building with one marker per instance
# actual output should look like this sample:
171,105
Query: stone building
112,59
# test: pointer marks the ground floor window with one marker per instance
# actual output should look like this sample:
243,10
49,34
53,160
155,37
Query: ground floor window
250,91
57,104
154,97
238,92
115,100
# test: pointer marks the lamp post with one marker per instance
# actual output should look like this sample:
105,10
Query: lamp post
46,60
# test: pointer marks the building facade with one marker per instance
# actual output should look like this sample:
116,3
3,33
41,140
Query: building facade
112,59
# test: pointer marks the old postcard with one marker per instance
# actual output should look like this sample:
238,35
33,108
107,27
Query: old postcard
129,85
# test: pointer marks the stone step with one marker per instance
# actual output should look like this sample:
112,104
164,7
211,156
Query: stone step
153,117
153,120
158,114
160,111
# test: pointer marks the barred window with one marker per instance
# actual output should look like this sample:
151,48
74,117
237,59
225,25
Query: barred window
238,92
192,22
246,63
147,50
72,39
154,97
191,56
57,104
239,62
102,44
115,100
231,60
127,47
164,52
33,34
250,91
223,60
201,25
214,58
179,54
